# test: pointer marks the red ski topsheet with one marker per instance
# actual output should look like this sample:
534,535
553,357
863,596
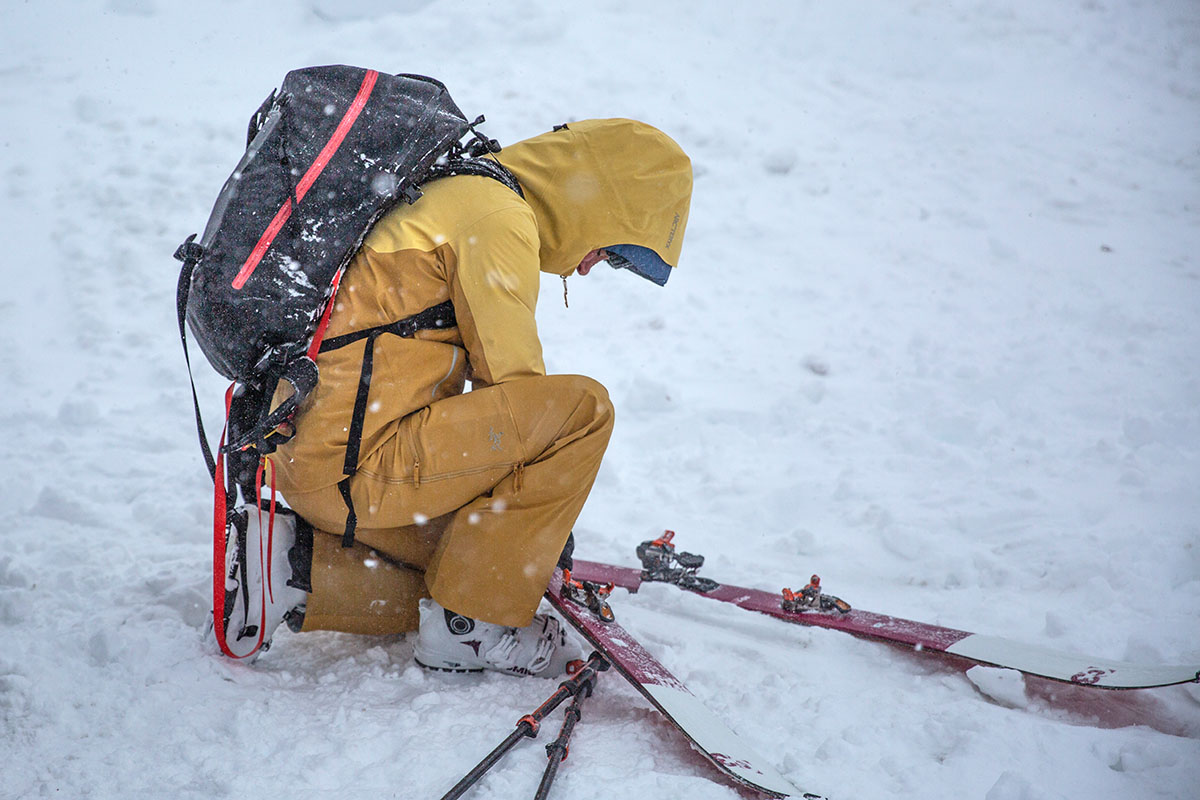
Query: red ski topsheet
1043,662
862,623
711,737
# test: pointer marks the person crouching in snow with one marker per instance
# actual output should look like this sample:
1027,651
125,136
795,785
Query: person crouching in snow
458,505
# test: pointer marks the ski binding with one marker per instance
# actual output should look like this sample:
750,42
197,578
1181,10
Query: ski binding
811,598
662,562
589,594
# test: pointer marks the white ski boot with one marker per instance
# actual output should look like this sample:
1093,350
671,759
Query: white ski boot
253,610
454,643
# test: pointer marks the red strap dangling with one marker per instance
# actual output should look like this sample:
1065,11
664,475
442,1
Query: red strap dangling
220,543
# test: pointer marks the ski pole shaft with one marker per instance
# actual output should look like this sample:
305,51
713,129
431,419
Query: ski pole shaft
528,725
524,728
556,751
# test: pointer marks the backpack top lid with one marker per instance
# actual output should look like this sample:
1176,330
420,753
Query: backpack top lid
328,154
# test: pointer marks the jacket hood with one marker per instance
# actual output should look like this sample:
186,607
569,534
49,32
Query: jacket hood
603,182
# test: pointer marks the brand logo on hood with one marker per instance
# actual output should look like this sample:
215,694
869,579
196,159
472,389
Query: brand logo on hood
671,235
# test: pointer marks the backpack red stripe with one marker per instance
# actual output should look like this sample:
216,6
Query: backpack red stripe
314,171
343,128
314,346
260,249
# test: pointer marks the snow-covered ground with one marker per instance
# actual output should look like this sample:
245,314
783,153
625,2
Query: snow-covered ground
935,337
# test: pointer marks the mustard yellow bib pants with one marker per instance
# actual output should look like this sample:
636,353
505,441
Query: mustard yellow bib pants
471,502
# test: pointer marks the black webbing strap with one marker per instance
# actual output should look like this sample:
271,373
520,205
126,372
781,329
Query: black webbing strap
189,253
300,556
241,523
433,318
350,467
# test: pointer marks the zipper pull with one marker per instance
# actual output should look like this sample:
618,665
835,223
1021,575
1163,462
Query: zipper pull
565,303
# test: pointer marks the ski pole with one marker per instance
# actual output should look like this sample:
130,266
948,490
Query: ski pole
557,750
528,725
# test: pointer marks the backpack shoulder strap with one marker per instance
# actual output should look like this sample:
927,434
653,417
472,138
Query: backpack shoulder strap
485,167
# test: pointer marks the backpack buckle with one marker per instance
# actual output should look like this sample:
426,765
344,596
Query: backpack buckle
189,250
409,193
480,144
276,427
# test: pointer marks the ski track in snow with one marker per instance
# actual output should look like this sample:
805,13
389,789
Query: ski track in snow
934,337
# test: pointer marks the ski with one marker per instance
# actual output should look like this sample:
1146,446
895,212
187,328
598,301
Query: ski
584,605
811,606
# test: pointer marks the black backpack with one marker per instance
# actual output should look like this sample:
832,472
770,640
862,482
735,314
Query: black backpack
327,154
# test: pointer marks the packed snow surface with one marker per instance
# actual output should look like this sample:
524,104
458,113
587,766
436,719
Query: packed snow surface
935,337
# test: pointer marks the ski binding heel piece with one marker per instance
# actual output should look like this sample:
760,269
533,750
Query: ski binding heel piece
592,596
811,598
661,562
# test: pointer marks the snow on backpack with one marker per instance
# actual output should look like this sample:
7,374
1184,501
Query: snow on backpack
327,154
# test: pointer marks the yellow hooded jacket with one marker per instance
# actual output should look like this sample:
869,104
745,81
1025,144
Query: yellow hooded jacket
475,242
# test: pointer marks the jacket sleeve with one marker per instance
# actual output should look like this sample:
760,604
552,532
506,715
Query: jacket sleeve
494,287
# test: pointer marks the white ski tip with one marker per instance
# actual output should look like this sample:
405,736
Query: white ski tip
1063,666
719,742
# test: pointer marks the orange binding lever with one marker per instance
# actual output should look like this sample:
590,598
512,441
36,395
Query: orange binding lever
590,595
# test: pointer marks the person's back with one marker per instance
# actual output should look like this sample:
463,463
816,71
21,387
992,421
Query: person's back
445,247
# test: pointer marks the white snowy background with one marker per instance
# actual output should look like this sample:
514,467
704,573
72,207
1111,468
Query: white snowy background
935,336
